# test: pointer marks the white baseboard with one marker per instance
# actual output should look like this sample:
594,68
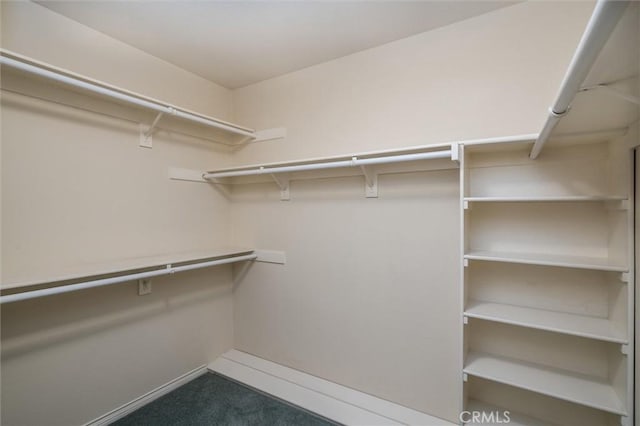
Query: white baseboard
328,399
148,397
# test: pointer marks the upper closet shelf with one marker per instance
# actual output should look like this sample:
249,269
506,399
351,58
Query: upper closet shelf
599,92
279,172
224,132
369,164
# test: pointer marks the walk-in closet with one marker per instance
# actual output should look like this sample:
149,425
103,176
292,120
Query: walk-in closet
319,213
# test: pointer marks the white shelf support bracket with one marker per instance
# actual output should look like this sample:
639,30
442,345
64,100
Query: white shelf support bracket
283,183
624,421
371,181
146,139
465,320
455,152
465,263
617,205
269,134
465,377
177,173
624,277
466,205
624,349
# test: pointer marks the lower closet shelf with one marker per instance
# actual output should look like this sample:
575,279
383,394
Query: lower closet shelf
581,389
515,419
580,262
560,322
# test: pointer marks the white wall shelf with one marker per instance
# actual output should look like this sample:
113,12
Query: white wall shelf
220,131
581,262
87,270
547,199
369,165
560,322
581,389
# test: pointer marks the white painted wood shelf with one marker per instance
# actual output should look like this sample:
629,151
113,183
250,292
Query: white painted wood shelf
569,386
580,262
86,270
559,322
547,199
515,419
215,130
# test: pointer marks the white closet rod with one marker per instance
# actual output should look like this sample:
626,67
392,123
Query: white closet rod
604,19
122,278
353,162
114,94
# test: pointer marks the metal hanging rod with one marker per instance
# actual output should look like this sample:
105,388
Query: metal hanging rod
604,19
119,279
353,162
124,97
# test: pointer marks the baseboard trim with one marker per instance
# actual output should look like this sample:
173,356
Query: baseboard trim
148,397
328,399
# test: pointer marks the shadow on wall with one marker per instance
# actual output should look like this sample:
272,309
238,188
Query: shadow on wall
35,324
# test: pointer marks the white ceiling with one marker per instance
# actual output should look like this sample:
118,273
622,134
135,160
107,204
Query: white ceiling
236,43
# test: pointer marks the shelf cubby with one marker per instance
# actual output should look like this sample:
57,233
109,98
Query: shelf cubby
526,408
560,322
571,368
571,234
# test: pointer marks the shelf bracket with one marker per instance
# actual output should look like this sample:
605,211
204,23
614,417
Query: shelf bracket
269,134
465,320
618,205
624,421
455,152
605,88
146,140
624,277
465,263
371,181
465,377
283,183
624,349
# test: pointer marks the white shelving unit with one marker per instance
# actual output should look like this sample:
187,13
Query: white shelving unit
547,286
554,264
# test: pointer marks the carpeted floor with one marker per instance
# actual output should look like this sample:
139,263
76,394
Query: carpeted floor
214,400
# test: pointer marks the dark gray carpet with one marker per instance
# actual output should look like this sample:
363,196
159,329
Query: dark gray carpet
214,400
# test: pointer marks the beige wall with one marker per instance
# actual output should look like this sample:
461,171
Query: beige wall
77,189
369,296
493,75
